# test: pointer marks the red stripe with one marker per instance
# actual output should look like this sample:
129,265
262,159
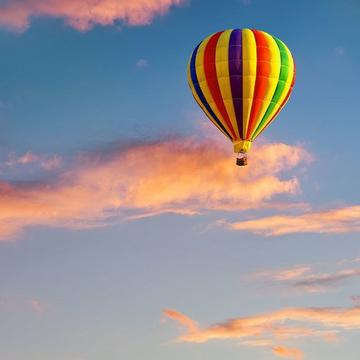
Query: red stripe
262,78
212,80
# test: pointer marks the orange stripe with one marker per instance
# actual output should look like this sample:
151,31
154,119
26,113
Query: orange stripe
262,78
212,80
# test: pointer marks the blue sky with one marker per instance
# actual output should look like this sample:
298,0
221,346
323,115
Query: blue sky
96,243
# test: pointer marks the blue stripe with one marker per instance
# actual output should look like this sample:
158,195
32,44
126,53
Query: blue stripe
199,92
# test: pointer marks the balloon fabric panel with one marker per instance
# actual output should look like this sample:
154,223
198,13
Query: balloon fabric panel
249,75
235,74
199,96
283,87
223,76
267,77
204,83
212,82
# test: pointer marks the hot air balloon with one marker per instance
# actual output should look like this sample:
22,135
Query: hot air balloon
241,79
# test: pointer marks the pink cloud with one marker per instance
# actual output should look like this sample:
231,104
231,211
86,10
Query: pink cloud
37,305
341,220
27,158
83,14
268,328
45,161
184,176
14,301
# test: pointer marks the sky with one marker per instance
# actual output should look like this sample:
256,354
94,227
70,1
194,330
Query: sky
127,231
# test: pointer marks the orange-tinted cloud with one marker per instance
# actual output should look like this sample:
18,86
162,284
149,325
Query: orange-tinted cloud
289,353
341,220
275,324
257,342
189,324
291,273
260,330
82,14
184,176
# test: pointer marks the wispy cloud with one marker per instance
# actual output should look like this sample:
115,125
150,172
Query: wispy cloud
190,325
247,2
257,342
339,50
142,63
179,175
269,328
82,15
13,301
45,161
306,277
340,220
277,325
37,305
314,283
289,353
291,273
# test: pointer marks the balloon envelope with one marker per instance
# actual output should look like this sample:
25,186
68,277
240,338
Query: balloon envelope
241,79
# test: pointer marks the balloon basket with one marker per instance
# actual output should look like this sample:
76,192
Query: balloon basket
241,161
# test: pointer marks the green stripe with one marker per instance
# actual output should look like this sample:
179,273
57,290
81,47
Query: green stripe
283,77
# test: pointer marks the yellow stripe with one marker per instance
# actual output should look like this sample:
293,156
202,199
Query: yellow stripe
284,93
223,75
273,79
249,58
200,72
197,99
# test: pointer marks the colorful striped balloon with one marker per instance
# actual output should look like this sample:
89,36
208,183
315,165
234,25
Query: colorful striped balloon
241,79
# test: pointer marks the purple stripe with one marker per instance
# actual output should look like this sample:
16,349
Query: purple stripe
235,71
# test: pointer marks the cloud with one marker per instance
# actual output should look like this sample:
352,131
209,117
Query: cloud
15,302
37,305
339,50
283,274
289,353
348,261
335,221
268,328
315,283
304,277
182,319
179,175
82,15
46,162
274,325
142,63
258,342
281,351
